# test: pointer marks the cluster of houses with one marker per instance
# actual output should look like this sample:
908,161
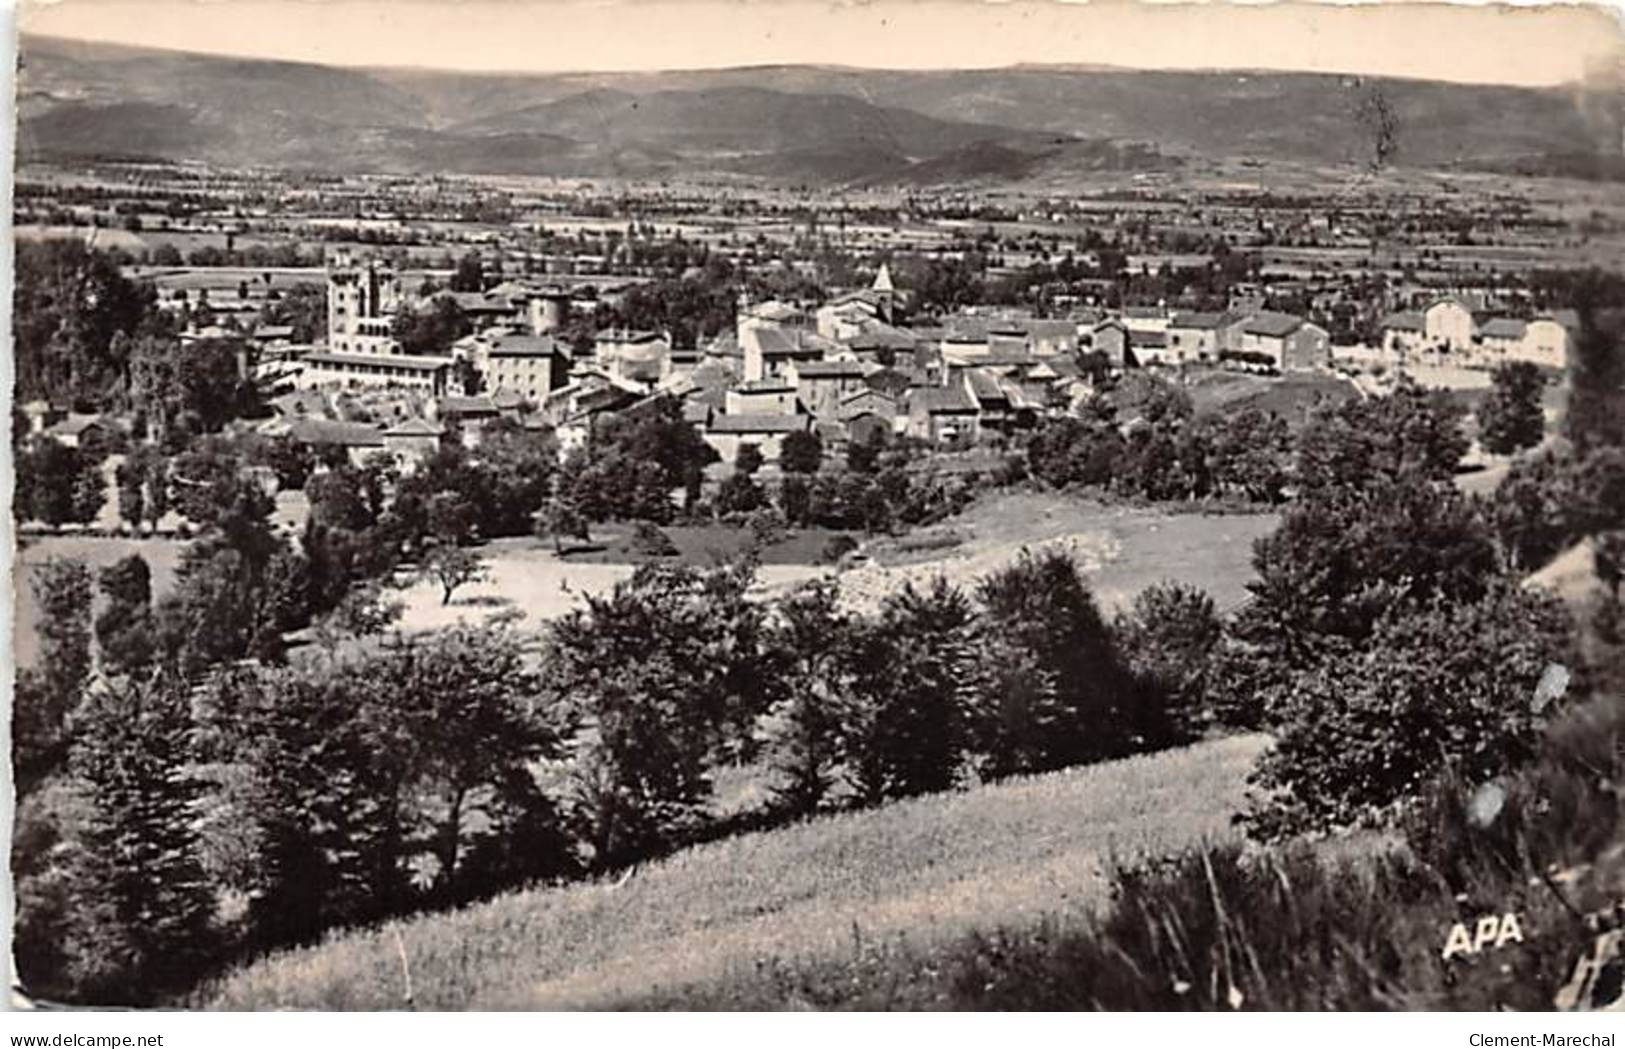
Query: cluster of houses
1450,328
847,369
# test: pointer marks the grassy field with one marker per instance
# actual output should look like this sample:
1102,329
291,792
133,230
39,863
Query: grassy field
1226,393
1121,549
919,872
705,545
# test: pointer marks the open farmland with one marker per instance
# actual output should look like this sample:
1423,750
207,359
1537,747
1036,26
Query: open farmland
922,871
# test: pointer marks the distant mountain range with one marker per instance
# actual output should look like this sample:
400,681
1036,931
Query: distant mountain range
814,124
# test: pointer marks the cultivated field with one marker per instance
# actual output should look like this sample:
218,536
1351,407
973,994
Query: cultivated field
919,872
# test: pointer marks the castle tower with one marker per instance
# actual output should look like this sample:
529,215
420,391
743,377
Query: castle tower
361,304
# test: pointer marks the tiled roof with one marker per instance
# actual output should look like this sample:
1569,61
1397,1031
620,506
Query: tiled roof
1199,321
457,405
524,346
1272,325
830,370
759,422
1504,328
415,427
403,361
935,400
328,431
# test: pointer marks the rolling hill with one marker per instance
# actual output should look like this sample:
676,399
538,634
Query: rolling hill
805,123
924,871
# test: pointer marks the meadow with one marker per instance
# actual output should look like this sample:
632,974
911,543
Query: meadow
921,872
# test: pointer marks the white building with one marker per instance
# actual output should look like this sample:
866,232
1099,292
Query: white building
1448,324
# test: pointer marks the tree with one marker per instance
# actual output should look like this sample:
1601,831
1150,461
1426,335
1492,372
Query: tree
562,519
802,452
456,714
740,494
1552,499
1446,687
452,567
910,719
143,487
1511,418
809,642
430,332
302,307
634,461
1167,640
862,456
1055,692
141,924
58,485
1076,450
184,392
747,460
1595,416
665,671
1252,454
1375,440
47,695
469,274
70,303
1342,557
125,631
132,494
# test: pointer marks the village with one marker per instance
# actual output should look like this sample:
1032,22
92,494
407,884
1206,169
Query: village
811,536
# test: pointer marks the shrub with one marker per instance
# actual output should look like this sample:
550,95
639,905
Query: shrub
837,547
649,541
1053,691
1167,640
1511,417
1442,687
910,717
802,453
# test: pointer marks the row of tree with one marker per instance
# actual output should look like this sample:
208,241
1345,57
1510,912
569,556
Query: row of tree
431,771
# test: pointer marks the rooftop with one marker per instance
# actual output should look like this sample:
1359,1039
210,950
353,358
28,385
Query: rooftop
759,422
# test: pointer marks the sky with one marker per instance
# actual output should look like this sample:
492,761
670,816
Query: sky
1463,42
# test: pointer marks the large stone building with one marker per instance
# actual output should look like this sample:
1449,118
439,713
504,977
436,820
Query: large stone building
362,299
361,302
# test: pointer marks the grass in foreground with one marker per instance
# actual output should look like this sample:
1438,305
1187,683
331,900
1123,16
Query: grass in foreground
912,875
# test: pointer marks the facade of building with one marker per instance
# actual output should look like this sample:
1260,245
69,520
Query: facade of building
530,365
1448,325
429,375
362,298
767,432
633,356
824,385
1291,343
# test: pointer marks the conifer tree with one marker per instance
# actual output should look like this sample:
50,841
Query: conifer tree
141,924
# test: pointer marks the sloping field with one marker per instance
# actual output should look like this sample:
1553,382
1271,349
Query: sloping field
1121,549
921,872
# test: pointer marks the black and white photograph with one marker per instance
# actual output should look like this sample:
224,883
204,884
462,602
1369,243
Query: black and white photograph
729,506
